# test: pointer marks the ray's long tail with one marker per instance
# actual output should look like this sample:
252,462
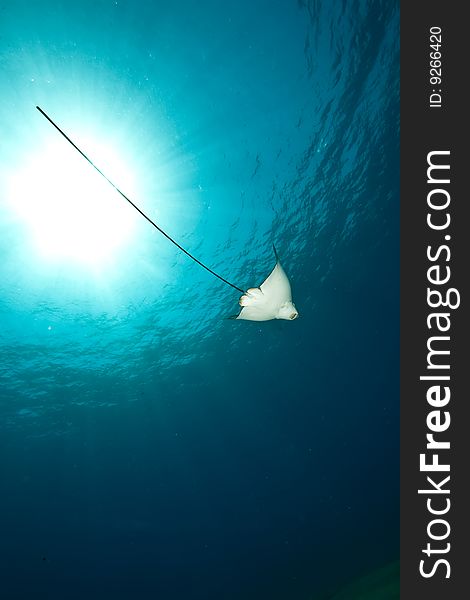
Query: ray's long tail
168,237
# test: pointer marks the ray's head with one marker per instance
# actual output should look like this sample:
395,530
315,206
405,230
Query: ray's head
288,312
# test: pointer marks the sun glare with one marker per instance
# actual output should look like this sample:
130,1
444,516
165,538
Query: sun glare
71,211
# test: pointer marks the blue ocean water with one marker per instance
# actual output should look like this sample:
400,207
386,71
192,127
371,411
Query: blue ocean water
150,447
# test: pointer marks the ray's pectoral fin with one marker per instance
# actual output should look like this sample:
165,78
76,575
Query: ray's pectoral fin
252,303
275,253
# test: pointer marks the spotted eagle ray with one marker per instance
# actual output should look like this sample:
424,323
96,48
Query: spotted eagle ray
271,300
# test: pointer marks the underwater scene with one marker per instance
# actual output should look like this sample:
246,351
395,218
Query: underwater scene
152,447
